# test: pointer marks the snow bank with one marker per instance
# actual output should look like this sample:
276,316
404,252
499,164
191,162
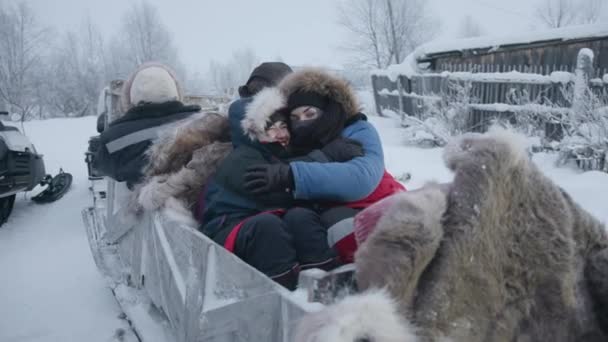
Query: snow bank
562,77
530,107
424,165
50,288
587,188
503,77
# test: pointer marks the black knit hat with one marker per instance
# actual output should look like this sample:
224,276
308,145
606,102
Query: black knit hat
273,72
270,73
307,98
279,115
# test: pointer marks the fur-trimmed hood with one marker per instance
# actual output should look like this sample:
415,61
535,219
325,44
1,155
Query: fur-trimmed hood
258,112
174,148
182,160
323,83
151,83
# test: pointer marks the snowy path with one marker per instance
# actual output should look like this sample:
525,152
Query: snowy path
50,289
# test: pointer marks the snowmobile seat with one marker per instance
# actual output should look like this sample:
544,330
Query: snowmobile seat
4,128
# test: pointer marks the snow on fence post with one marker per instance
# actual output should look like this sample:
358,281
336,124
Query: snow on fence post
583,73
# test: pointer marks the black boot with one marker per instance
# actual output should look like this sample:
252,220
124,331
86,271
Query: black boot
288,279
326,264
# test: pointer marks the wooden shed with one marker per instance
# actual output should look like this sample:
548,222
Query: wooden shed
540,52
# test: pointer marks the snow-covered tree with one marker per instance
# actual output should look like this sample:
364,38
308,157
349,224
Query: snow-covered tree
143,37
226,77
557,13
560,13
384,32
22,44
78,70
592,11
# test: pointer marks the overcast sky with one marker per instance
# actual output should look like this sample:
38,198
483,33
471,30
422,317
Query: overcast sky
301,32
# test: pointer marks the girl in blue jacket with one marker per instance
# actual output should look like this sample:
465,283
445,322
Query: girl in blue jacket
326,108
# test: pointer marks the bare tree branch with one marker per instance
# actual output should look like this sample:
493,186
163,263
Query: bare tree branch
21,44
470,28
384,32
560,13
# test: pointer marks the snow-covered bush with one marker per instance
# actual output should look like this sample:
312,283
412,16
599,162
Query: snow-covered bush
442,117
585,129
583,122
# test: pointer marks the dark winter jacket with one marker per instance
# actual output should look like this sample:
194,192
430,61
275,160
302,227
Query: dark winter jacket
226,200
122,154
236,113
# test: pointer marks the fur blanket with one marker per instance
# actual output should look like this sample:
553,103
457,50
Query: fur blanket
501,254
182,160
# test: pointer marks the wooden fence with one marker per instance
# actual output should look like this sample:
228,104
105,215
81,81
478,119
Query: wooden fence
494,91
529,69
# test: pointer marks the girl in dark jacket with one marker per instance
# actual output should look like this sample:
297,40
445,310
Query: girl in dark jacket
268,231
324,110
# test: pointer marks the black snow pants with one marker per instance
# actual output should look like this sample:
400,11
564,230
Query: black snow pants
280,246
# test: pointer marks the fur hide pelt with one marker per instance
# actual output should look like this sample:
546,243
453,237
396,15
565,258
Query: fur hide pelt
183,159
175,147
369,316
510,257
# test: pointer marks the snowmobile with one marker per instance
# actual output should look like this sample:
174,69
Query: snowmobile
175,284
22,169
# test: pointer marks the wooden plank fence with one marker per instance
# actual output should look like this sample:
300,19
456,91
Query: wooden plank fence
497,92
494,91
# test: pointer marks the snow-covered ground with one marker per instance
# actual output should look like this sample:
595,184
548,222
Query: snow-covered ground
589,189
50,289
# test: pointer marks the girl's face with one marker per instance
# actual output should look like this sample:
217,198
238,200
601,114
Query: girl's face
305,113
279,132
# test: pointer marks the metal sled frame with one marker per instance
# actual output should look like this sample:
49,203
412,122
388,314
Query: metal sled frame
172,282
175,284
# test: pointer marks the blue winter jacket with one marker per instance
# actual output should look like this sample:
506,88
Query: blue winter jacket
343,182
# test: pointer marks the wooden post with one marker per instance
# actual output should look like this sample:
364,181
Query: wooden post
376,95
400,90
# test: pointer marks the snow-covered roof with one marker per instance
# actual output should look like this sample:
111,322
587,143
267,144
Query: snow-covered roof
408,67
494,42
